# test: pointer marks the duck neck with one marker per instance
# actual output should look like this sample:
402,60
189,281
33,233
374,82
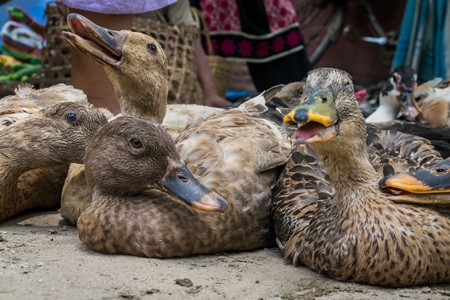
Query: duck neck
351,172
138,99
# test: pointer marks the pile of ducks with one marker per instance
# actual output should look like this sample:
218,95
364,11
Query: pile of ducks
175,180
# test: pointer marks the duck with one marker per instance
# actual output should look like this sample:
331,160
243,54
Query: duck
36,150
26,102
212,142
427,186
330,214
432,99
396,97
137,67
134,214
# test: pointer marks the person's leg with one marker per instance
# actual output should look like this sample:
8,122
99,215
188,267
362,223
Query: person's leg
89,76
284,70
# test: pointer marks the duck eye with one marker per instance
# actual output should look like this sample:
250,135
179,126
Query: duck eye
440,170
136,143
152,47
71,117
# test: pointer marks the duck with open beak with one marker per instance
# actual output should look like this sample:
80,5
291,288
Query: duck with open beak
101,44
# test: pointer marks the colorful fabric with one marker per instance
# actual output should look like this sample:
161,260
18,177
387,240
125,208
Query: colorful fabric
21,42
118,7
255,31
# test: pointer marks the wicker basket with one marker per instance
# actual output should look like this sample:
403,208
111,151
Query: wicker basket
177,41
56,61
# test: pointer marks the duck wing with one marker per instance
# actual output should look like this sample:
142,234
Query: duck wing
301,186
393,152
439,137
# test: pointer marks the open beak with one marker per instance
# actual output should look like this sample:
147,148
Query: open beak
101,44
431,186
182,184
316,119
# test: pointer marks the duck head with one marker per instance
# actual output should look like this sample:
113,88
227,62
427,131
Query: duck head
398,92
427,186
131,60
328,107
129,156
63,124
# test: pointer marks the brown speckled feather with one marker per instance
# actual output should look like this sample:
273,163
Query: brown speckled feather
45,143
343,226
392,152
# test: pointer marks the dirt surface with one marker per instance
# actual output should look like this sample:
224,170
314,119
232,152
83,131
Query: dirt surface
42,258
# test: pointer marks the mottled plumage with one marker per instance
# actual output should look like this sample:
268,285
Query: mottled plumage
334,219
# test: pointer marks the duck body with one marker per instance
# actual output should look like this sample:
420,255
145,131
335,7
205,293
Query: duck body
341,224
388,108
152,222
36,151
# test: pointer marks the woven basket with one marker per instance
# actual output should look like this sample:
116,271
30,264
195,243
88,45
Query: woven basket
220,66
56,54
178,42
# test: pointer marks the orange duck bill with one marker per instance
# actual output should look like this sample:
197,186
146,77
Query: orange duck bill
429,186
101,44
179,182
316,118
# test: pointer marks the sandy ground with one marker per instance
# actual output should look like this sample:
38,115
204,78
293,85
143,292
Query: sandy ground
42,258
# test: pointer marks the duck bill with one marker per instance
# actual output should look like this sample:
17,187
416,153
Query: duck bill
421,187
182,184
316,118
408,108
101,44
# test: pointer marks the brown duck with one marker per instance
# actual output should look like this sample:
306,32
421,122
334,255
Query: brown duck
337,221
130,165
45,143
